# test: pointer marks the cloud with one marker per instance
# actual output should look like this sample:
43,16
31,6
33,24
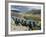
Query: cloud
24,8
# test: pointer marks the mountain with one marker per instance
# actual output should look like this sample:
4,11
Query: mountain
15,11
34,11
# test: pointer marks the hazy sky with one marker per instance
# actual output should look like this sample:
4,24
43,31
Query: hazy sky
24,8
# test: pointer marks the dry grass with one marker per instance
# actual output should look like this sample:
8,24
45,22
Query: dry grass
33,17
19,28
